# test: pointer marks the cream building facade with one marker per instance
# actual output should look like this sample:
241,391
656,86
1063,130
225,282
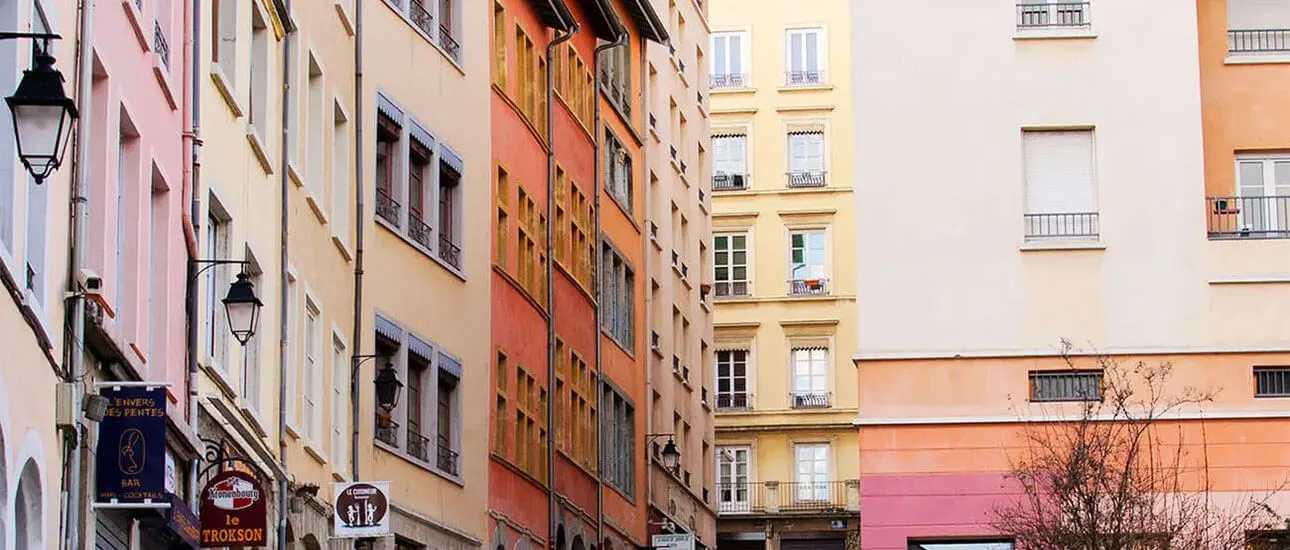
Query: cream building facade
784,275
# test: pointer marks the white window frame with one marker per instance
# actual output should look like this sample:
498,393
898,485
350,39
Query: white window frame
1268,200
825,268
252,374
312,369
429,412
813,358
341,176
259,77
728,163
290,299
746,67
341,364
316,127
731,377
821,58
730,265
727,473
219,238
812,484
804,166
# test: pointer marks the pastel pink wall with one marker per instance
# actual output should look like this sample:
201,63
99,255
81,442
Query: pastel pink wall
897,508
133,82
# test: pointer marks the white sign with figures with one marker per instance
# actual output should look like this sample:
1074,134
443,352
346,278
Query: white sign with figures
672,542
362,509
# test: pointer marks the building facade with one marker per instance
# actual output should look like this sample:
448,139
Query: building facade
784,282
678,260
1025,224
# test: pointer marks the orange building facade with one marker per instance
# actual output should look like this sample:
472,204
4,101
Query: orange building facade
566,445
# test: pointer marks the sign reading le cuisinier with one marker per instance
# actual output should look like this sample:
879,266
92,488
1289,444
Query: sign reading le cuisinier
130,462
233,511
362,509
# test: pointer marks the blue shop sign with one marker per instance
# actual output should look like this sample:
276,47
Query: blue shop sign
131,458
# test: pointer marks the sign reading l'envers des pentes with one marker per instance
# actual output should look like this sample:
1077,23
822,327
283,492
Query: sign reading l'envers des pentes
130,465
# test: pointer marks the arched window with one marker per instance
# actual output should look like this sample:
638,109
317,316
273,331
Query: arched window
577,543
28,517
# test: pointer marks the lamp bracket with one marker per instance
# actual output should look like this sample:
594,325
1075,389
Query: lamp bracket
4,35
207,264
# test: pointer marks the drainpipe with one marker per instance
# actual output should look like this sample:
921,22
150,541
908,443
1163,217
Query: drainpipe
284,315
620,41
552,522
78,233
359,222
192,175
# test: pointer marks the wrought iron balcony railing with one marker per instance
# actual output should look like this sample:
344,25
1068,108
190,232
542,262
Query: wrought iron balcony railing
1258,41
728,81
1034,14
798,179
418,445
447,459
1248,217
419,232
449,251
387,431
808,287
788,497
731,289
421,17
805,77
813,496
734,401
729,182
449,43
160,45
1064,225
386,207
810,399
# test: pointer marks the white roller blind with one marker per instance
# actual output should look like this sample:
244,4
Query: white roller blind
1258,14
1059,172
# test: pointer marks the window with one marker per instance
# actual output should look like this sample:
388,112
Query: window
530,453
1263,207
807,263
340,190
729,160
449,37
315,114
503,228
728,66
1061,194
806,157
561,227
418,381
615,76
388,132
224,38
532,253
730,265
526,66
425,425
580,228
962,545
618,297
805,57
1271,382
127,184
499,45
574,83
1066,385
812,464
448,415
618,429
582,407
340,401
733,479
37,219
251,354
260,63
289,301
810,378
1051,14
418,173
501,417
312,369
732,379
450,167
618,171
218,246
1258,27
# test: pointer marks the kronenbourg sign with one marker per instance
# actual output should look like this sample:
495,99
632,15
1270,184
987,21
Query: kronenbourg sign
672,542
233,511
362,509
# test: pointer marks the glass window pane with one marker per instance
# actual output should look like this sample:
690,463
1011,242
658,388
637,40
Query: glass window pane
739,242
1251,174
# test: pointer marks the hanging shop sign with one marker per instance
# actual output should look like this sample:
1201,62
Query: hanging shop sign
183,522
130,463
233,511
672,542
362,509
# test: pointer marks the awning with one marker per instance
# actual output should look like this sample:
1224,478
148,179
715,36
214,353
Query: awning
387,329
387,108
452,159
421,348
421,135
450,365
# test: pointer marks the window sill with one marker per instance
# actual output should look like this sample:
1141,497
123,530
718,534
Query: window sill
342,248
1251,281
1257,59
218,376
135,18
293,174
162,73
253,418
426,36
292,431
1035,246
620,345
733,91
257,147
806,88
423,250
315,207
456,479
346,20
1054,34
225,89
315,454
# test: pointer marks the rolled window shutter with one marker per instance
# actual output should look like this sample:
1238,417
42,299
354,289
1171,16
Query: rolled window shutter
1059,172
1258,14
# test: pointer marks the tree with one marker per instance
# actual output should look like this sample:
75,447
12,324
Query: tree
1117,475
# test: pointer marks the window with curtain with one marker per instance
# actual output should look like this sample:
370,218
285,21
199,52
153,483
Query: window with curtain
806,158
728,65
812,464
729,160
804,57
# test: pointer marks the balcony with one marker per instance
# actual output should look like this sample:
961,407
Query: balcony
1258,41
811,399
653,231
792,497
734,401
160,45
449,251
421,17
418,445
449,43
807,77
419,232
727,81
731,289
805,179
386,207
447,460
1038,15
1066,225
729,182
1248,217
808,287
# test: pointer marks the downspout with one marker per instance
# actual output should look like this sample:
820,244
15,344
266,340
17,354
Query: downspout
359,222
649,302
78,233
552,522
598,176
192,173
284,315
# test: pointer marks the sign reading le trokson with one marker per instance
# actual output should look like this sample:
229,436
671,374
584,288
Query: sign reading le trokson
362,509
233,511
130,463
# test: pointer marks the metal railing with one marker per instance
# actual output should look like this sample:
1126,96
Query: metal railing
653,121
1258,41
676,258
734,401
808,287
798,179
418,445
449,251
672,151
813,496
807,77
1065,15
618,96
419,232
447,460
791,497
727,81
387,431
731,289
1082,225
654,340
740,498
1271,382
683,167
421,17
653,230
386,207
449,42
810,399
729,182
1248,217
160,45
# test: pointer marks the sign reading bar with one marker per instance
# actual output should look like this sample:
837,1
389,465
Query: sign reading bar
130,464
362,509
672,542
233,511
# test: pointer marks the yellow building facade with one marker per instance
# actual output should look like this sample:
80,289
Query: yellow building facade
783,271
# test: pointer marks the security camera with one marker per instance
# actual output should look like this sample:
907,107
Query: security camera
90,281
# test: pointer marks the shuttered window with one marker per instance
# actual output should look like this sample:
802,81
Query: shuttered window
1061,192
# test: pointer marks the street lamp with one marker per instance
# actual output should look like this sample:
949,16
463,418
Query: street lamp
42,116
671,456
387,388
243,309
